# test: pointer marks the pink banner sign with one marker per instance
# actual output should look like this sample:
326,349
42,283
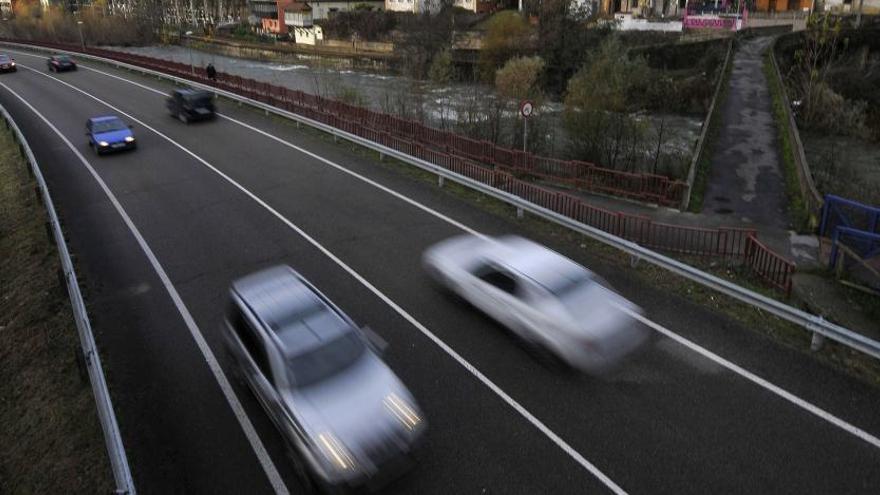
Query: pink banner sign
705,22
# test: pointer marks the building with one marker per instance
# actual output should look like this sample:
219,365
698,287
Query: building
263,9
276,16
868,6
323,9
642,8
296,14
477,6
414,6
782,5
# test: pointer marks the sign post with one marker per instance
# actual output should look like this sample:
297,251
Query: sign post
525,109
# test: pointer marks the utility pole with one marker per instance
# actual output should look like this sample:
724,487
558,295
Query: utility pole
82,40
192,67
859,15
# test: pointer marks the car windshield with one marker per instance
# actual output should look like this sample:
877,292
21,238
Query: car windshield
62,58
325,360
4,58
108,126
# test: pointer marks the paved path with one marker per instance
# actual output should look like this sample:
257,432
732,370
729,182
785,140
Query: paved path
746,181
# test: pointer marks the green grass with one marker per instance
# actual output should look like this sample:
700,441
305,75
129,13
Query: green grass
49,431
797,206
704,162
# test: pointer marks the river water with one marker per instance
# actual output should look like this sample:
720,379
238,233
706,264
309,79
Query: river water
437,104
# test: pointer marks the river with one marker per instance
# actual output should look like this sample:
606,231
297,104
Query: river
438,104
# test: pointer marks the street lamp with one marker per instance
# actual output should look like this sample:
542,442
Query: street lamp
82,40
192,67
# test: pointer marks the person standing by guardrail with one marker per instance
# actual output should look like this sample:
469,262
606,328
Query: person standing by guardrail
212,72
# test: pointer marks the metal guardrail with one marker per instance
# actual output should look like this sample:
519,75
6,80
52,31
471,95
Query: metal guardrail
106,415
818,326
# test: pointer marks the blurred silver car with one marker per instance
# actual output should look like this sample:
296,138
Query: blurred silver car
346,417
546,299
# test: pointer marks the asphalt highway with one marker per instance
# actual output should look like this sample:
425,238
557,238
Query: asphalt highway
208,202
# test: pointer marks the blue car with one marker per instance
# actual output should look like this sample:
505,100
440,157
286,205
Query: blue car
109,133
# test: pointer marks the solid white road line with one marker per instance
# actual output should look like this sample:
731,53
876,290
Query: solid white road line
321,159
228,393
565,447
748,375
774,389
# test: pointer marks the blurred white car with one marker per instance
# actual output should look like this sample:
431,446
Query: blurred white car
346,418
545,298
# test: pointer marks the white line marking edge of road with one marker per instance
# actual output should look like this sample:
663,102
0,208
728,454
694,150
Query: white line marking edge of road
237,409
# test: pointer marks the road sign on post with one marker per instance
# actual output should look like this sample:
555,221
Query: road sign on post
525,109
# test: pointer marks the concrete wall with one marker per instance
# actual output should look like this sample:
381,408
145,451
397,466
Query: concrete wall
627,23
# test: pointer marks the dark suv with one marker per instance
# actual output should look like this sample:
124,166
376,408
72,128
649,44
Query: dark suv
191,104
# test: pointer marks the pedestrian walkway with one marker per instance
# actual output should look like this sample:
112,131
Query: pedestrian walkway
746,185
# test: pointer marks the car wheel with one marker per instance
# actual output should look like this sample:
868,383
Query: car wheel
183,118
97,150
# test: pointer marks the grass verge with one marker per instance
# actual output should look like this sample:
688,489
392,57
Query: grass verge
797,207
49,430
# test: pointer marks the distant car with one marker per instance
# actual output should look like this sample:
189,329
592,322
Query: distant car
345,416
7,64
60,63
548,300
109,133
191,104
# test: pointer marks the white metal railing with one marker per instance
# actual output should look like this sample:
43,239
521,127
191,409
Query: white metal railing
106,415
818,326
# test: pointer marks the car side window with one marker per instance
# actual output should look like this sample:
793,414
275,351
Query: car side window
497,277
251,341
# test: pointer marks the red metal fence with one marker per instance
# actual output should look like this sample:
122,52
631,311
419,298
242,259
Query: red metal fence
464,156
773,268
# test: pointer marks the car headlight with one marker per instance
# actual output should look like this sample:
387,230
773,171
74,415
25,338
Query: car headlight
335,452
103,143
13,64
402,410
129,139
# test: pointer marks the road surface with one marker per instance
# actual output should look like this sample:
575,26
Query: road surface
158,235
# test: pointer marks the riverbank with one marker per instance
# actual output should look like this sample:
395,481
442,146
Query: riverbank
360,55
51,438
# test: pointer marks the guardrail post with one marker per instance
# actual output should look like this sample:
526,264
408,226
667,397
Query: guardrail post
519,212
817,342
634,260
440,180
381,156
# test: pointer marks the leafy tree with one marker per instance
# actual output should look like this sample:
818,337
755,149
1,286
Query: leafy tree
442,70
598,108
507,35
519,77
